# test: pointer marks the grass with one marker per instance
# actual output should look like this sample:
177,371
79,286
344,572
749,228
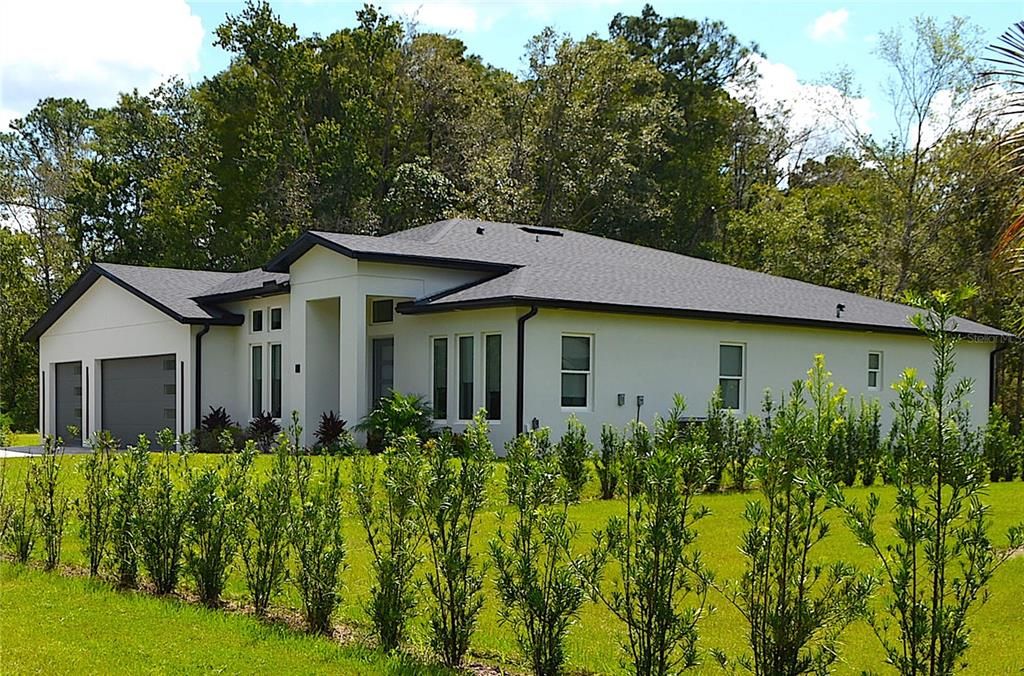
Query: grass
30,439
53,624
594,642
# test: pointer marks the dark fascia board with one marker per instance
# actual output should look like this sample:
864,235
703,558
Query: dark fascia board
424,307
89,277
267,290
283,261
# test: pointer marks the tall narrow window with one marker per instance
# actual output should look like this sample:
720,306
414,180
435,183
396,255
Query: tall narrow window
730,376
492,376
439,395
874,370
256,324
257,380
465,377
576,369
275,319
275,380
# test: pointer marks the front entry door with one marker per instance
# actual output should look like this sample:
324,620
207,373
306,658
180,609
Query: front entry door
382,376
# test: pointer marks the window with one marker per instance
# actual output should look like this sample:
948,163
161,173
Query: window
874,370
492,376
439,390
275,319
382,311
576,359
730,376
465,377
275,379
256,323
383,351
257,380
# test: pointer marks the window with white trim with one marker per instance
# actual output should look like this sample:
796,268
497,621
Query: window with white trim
382,311
439,386
492,375
256,380
577,358
275,319
256,321
874,370
730,375
275,380
466,383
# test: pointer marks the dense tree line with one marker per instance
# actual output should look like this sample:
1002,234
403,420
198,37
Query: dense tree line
648,136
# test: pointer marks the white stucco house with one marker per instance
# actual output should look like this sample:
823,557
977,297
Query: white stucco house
527,322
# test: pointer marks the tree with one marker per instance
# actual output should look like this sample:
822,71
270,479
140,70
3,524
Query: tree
943,558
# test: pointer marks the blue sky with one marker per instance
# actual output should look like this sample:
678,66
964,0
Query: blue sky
93,50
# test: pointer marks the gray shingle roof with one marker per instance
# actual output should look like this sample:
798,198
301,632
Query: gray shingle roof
572,269
250,280
174,289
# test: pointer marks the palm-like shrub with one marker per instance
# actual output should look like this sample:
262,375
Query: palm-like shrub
263,429
332,434
395,415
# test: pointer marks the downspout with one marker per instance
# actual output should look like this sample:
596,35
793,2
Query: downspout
521,366
199,376
993,364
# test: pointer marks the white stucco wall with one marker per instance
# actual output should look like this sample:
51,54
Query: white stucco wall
657,357
108,322
227,365
321,274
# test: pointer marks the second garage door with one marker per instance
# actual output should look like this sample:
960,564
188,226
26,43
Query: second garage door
139,396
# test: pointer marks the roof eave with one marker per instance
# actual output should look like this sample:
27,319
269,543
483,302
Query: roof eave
267,289
421,307
89,277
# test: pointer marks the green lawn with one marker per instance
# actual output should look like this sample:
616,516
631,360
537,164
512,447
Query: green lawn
594,643
30,439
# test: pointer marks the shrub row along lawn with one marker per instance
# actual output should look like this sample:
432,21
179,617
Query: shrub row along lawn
48,621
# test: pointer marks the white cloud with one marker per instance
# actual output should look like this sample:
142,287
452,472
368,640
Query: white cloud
819,117
992,105
830,26
453,15
92,50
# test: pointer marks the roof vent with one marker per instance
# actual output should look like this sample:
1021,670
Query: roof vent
840,308
479,229
541,231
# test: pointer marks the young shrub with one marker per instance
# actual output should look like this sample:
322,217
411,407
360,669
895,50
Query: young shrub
660,593
130,478
747,438
869,436
50,500
448,494
541,593
387,514
332,434
5,430
573,449
162,522
719,424
796,607
395,415
1001,447
215,498
607,463
267,515
23,519
263,429
96,504
943,559
316,536
6,505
